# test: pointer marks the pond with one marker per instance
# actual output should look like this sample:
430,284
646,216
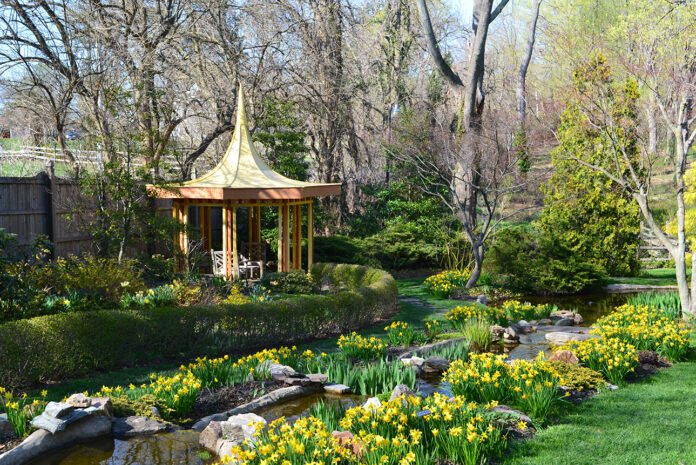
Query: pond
590,306
178,448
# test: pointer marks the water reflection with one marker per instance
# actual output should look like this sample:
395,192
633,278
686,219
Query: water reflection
179,448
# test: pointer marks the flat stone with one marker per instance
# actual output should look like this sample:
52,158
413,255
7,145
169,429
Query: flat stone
401,390
545,322
560,338
435,365
79,400
372,404
318,378
505,410
41,442
6,430
58,409
297,381
130,427
55,425
565,322
337,389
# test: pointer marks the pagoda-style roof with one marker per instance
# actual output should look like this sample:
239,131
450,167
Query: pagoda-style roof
242,174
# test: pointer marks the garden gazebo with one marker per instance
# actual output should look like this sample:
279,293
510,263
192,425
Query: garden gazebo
243,180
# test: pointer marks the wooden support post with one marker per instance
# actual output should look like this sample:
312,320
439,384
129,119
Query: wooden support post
296,237
286,238
280,238
257,224
205,227
177,236
184,233
227,238
310,235
235,252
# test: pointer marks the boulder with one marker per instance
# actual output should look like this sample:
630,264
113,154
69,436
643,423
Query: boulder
401,390
482,299
560,338
130,427
58,409
435,365
561,314
413,361
347,440
578,319
210,436
101,405
372,404
40,443
221,437
564,356
497,332
277,371
510,412
79,400
318,378
53,425
6,430
545,322
337,389
565,322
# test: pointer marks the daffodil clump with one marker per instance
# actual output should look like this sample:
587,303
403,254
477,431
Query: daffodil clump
646,329
516,310
433,328
610,356
356,347
458,317
21,409
443,284
151,298
400,334
305,442
533,386
412,430
176,393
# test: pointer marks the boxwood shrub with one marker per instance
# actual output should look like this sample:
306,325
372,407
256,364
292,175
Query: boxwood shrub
68,345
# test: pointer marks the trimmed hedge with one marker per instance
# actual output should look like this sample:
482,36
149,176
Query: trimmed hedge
63,346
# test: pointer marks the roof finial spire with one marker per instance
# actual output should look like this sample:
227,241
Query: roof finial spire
241,111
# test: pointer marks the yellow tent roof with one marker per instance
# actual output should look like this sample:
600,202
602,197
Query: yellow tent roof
242,174
242,166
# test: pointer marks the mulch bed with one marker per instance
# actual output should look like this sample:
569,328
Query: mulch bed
220,400
9,444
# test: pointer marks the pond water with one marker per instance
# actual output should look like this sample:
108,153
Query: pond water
590,306
178,448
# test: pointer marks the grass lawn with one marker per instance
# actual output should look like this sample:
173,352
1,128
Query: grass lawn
647,423
655,277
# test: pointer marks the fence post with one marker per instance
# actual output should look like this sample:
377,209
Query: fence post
50,185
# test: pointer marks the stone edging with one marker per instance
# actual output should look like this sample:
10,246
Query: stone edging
267,400
617,288
429,347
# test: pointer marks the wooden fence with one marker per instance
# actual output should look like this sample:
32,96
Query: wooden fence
45,205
